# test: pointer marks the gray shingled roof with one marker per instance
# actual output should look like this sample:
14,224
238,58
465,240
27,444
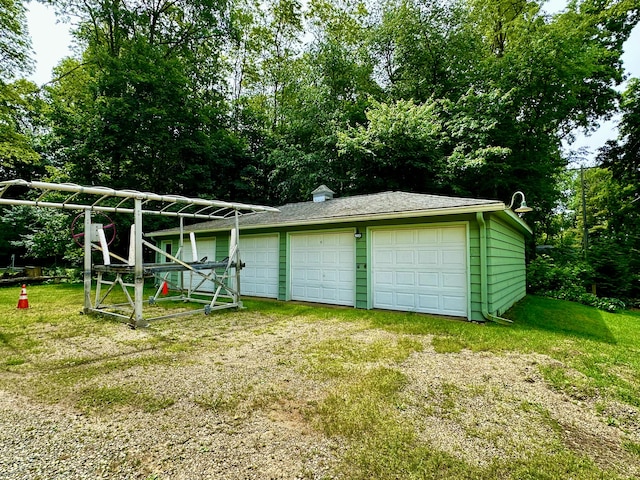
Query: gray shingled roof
344,209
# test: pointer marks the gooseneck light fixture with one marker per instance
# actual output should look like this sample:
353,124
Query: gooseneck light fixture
523,208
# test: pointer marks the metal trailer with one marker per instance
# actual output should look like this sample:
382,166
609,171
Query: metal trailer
90,200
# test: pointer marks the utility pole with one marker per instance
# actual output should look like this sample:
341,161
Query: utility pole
585,241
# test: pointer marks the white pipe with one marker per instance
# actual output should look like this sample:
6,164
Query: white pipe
104,246
132,245
194,247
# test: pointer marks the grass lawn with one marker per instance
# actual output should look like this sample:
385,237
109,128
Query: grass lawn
393,395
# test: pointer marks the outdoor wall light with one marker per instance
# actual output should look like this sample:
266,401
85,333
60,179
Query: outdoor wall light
357,234
523,205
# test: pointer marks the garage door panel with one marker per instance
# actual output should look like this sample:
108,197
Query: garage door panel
330,276
405,257
329,260
385,238
383,278
407,279
457,280
427,257
427,272
453,258
429,302
385,299
426,236
346,279
406,300
451,236
404,238
385,257
426,279
345,297
313,274
332,294
452,304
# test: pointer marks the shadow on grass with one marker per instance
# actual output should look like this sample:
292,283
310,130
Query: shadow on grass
561,317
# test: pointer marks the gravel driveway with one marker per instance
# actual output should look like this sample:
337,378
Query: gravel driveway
232,396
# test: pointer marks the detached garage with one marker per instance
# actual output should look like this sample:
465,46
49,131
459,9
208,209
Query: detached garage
401,251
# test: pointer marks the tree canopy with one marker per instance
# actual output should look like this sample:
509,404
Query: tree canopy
263,101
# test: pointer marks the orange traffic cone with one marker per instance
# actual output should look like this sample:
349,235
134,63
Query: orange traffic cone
165,288
23,301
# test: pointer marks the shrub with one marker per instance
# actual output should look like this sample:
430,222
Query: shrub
568,281
545,274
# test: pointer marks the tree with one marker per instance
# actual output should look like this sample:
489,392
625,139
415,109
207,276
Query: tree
44,234
20,121
145,104
18,98
425,49
614,235
15,43
622,156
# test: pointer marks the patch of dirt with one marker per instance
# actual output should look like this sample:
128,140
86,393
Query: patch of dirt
241,401
482,406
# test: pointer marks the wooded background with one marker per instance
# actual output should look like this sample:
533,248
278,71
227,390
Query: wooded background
262,101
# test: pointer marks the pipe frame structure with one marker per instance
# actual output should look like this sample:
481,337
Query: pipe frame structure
89,199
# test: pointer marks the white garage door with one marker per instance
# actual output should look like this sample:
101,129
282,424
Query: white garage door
420,269
260,253
323,267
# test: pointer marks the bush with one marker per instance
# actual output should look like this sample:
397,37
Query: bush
613,270
568,281
603,303
546,274
70,275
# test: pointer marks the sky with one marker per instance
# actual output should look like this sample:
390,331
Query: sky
51,42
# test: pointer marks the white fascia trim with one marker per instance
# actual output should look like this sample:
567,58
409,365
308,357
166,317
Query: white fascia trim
512,216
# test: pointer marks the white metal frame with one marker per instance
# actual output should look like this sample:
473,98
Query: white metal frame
102,199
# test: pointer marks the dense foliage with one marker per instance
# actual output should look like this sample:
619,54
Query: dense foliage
263,101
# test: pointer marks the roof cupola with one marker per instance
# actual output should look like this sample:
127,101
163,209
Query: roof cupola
322,193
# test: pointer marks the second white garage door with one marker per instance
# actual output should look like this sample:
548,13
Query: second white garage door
420,269
260,254
323,267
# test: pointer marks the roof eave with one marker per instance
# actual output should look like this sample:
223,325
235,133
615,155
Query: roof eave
494,207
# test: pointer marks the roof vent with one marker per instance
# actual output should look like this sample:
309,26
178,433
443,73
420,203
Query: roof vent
322,193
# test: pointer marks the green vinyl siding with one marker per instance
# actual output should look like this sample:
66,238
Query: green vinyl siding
362,298
222,247
506,272
475,281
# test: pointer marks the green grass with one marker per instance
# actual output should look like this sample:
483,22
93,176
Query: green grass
602,346
365,404
53,321
337,357
598,354
104,398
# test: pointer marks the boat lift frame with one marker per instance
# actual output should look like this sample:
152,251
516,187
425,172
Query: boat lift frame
93,199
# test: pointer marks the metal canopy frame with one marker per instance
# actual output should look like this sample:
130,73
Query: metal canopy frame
68,196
